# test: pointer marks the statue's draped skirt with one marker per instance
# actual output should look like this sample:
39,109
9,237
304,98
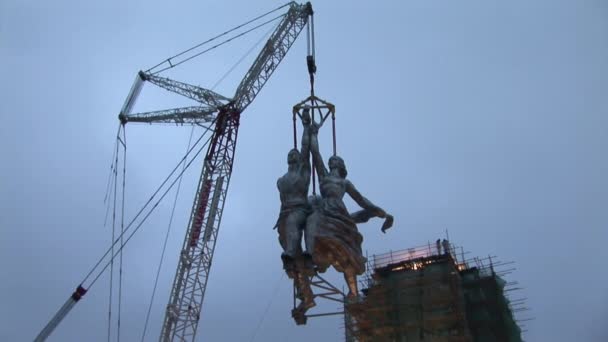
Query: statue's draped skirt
338,242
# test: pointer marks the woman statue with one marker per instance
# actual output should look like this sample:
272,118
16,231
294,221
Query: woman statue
331,234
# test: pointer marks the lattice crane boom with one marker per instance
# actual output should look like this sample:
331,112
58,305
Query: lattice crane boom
210,102
271,55
185,303
202,95
188,290
186,115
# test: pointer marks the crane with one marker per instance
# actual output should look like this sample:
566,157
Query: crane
183,311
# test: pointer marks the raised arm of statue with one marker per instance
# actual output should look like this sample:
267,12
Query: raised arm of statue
305,151
314,150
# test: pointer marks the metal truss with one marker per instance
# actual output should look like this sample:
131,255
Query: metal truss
186,115
184,309
271,55
202,95
321,288
317,105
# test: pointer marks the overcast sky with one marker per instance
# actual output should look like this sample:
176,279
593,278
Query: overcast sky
485,118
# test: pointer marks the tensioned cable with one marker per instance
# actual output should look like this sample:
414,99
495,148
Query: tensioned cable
148,214
142,210
312,30
274,294
308,39
122,224
108,184
218,36
162,255
110,302
145,205
242,58
110,181
111,169
217,45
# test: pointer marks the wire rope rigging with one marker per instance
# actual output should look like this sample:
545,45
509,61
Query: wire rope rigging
162,256
168,64
114,193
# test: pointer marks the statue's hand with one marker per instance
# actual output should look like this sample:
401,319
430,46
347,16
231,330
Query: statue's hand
388,223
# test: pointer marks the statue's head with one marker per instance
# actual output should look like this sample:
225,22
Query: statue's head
336,162
293,156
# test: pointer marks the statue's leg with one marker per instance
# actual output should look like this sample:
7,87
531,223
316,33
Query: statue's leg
306,299
294,225
311,232
304,294
292,240
306,291
310,236
351,281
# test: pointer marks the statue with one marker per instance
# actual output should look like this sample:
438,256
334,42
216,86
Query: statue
330,231
331,234
293,189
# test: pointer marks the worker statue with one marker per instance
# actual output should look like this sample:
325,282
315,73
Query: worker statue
331,234
293,189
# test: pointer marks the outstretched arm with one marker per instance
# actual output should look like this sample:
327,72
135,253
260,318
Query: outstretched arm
314,150
369,209
362,201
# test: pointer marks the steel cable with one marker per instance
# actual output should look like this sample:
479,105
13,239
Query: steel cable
113,237
173,65
110,182
122,225
162,256
218,36
145,205
145,217
274,294
241,60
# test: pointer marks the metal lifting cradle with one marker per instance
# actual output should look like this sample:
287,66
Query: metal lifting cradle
183,311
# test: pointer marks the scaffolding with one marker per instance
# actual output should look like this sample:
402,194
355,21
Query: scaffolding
432,293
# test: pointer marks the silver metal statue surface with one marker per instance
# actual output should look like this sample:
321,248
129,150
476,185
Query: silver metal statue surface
331,233
293,190
295,209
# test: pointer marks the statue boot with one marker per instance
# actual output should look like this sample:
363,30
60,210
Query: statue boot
289,265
